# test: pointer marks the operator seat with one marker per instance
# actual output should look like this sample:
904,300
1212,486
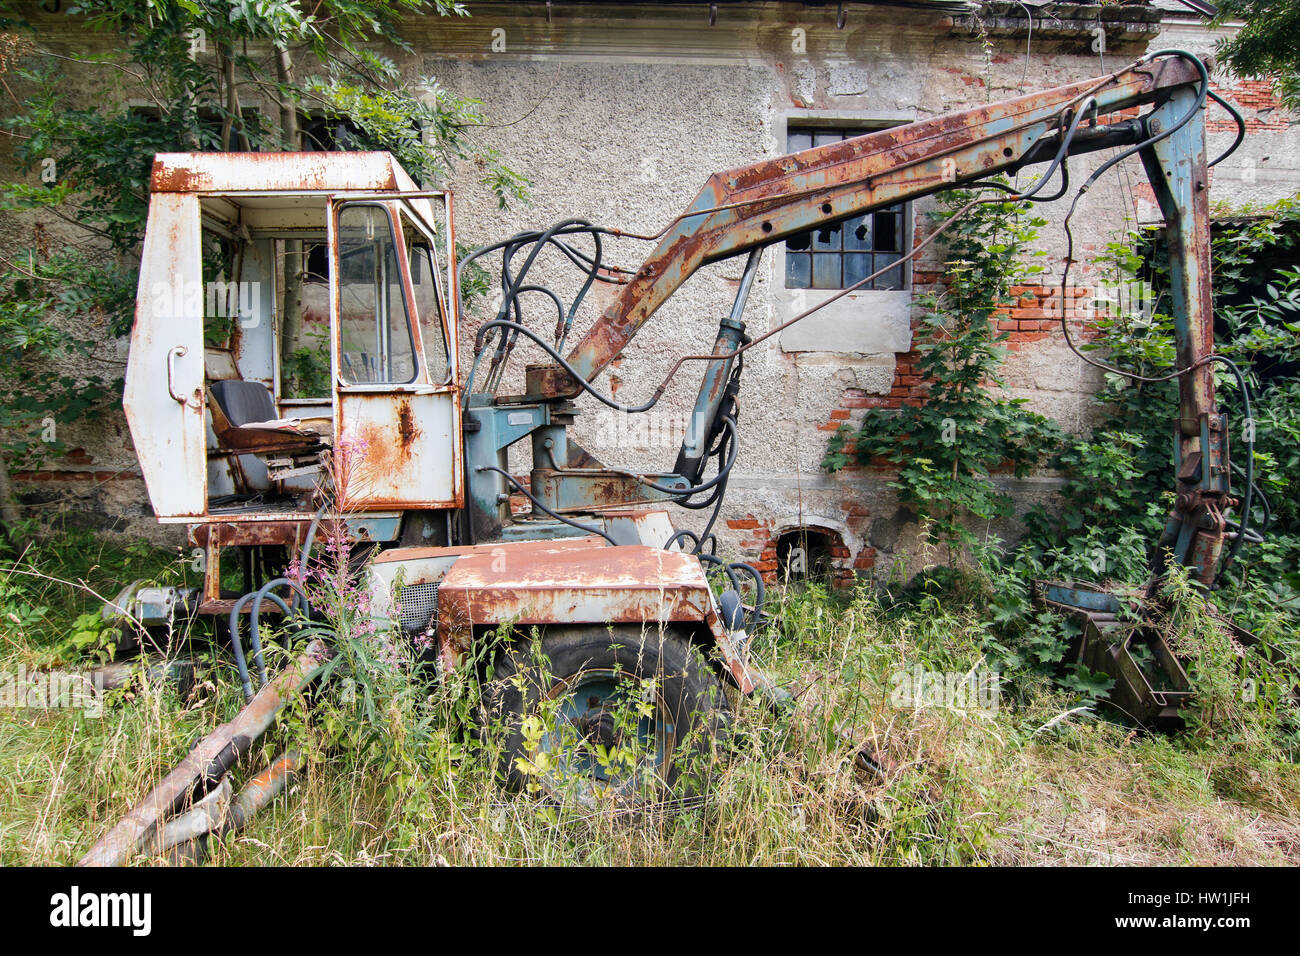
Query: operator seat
244,420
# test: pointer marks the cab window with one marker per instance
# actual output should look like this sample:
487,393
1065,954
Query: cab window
428,302
375,343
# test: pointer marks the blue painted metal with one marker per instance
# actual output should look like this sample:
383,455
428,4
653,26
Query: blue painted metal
578,490
551,447
489,431
1176,168
374,527
717,375
1083,598
541,530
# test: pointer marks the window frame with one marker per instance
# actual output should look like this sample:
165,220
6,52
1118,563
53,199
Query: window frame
864,328
404,281
842,125
428,235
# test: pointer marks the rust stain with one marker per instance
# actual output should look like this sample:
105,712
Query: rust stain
509,549
273,172
407,430
580,581
235,533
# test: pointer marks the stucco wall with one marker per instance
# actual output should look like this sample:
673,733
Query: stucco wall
618,114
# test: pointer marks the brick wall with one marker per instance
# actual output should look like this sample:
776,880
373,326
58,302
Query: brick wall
761,536
1258,103
1033,315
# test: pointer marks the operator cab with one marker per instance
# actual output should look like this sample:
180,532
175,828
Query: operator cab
295,315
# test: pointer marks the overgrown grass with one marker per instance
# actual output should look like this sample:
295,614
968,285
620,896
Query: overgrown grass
1041,778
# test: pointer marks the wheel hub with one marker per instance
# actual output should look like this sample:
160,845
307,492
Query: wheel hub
599,727
593,707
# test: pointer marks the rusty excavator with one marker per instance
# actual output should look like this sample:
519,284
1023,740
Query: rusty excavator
403,453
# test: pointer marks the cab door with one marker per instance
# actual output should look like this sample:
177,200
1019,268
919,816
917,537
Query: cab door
396,407
163,394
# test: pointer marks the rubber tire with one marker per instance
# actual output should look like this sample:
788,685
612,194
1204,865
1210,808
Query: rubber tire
690,691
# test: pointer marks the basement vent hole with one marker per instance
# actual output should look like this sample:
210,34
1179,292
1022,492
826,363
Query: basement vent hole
804,554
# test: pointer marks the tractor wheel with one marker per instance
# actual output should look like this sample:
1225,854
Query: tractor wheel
613,716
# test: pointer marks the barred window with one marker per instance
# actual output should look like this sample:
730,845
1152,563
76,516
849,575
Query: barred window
838,255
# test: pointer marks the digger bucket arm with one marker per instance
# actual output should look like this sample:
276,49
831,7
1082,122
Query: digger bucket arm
753,206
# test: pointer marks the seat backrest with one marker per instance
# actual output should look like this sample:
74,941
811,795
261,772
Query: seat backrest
243,402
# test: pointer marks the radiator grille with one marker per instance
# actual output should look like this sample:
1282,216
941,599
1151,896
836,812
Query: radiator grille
419,606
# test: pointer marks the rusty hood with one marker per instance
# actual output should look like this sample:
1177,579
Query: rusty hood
626,584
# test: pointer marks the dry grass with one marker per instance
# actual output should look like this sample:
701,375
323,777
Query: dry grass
1022,786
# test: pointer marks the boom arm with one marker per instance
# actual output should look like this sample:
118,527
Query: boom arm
743,210
756,205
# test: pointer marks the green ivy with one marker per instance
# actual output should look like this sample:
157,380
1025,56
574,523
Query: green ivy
946,451
1119,480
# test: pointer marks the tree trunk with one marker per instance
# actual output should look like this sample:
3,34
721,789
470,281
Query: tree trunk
291,331
233,126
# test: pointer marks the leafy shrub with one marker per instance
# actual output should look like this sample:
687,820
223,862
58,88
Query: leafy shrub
1117,480
946,450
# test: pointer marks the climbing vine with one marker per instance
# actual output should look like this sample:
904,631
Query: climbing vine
1118,480
946,450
